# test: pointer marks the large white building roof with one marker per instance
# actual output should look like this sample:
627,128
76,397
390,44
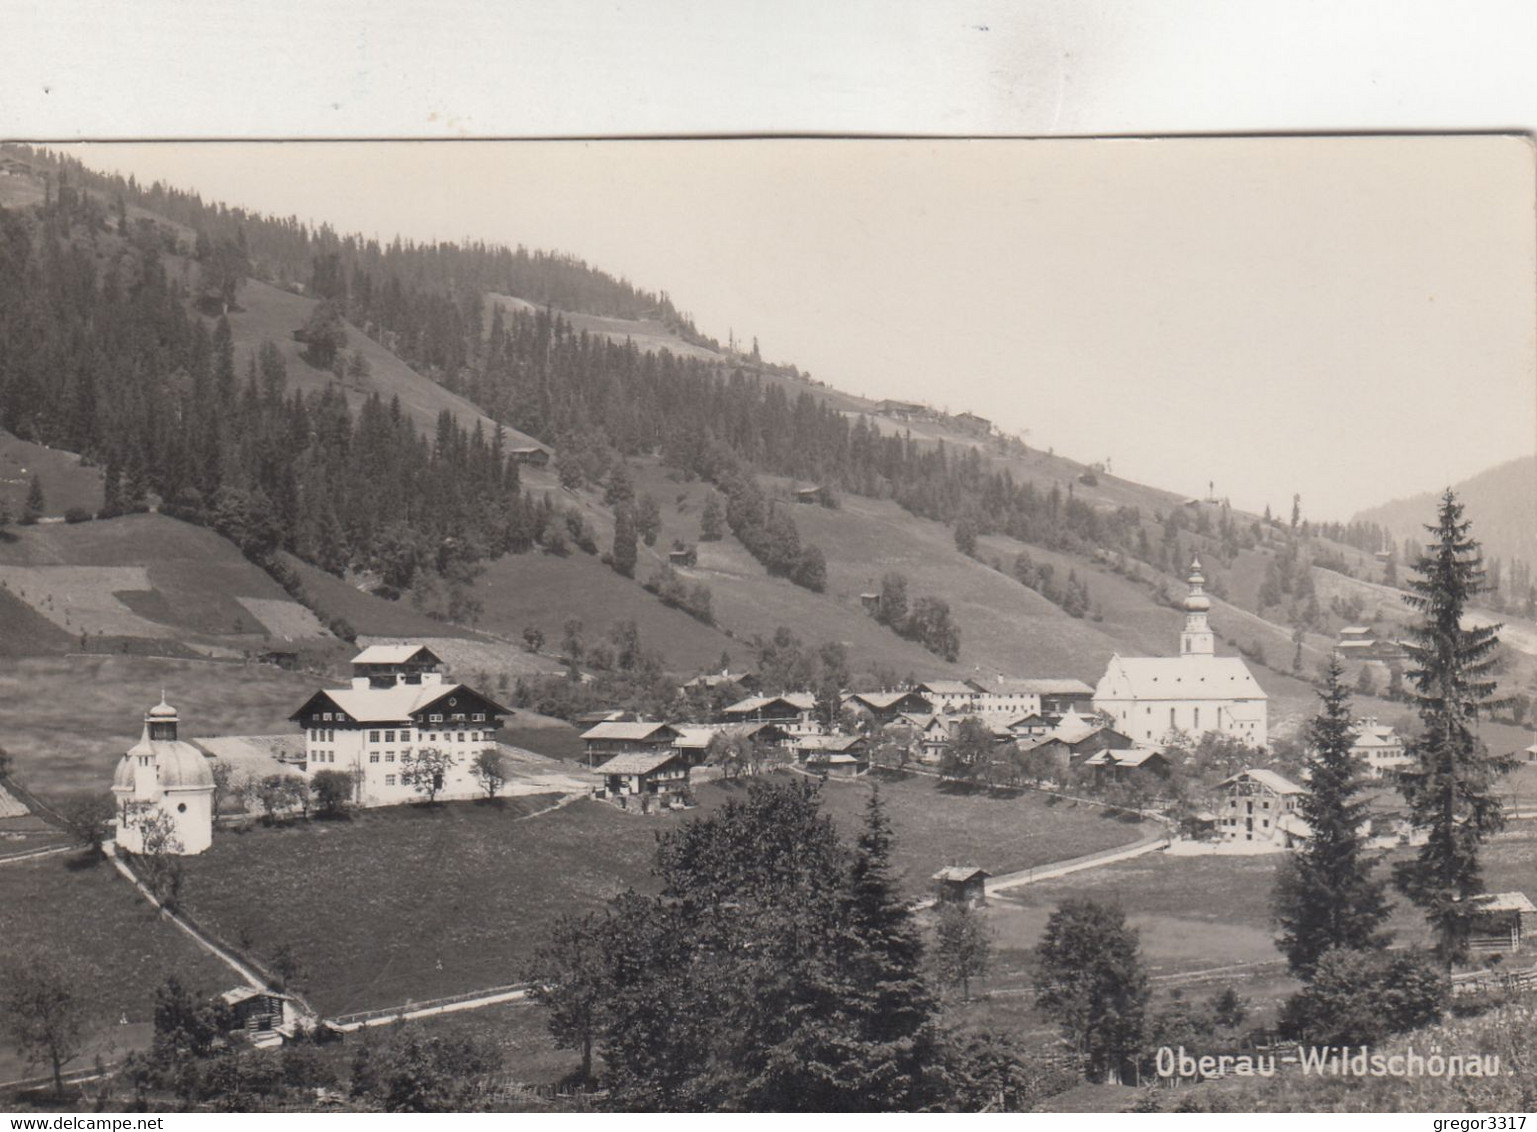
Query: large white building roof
1178,678
398,702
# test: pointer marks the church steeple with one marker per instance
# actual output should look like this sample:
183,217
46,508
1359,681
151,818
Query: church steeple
1197,639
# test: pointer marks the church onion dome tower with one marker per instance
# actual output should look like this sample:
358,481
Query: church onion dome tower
161,775
1197,639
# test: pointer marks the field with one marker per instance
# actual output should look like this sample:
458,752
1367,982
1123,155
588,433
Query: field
67,719
67,482
410,903
79,909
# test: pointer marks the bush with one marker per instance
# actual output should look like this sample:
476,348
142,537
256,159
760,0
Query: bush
332,791
77,515
1361,997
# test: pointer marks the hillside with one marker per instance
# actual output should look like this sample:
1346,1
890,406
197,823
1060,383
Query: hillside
1501,503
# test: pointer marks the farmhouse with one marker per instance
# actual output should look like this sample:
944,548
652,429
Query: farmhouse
609,739
903,410
1261,805
397,713
1129,765
267,1017
792,711
816,493
1016,697
709,681
658,774
961,884
843,755
973,424
950,695
532,455
693,742
1196,692
163,781
1076,739
1379,748
683,556
884,707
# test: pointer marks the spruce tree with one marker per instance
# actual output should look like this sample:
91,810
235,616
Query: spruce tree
1451,788
35,504
625,551
1325,895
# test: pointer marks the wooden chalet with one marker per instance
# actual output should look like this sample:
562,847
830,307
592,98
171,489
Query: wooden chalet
837,755
607,740
683,556
961,884
788,710
1129,765
657,775
533,455
693,743
266,1017
816,493
385,665
884,707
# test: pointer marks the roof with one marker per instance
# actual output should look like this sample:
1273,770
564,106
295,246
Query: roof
1132,757
1376,735
800,701
830,743
1178,678
947,688
391,654
1279,783
961,873
633,731
1037,686
640,762
397,703
1355,629
178,765
883,700
1504,902
695,738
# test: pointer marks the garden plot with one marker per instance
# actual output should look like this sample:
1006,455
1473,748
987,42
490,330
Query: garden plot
84,599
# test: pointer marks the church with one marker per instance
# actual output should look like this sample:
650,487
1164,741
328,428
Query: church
161,775
1196,692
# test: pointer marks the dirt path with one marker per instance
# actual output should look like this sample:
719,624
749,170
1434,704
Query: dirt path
1088,861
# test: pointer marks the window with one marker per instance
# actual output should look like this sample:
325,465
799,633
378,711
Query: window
433,738
373,736
181,807
389,736
435,718
389,756
479,717
405,736
373,758
389,780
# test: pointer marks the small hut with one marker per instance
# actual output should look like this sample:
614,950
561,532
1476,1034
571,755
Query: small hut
961,884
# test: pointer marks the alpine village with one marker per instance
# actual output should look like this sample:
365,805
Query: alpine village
441,678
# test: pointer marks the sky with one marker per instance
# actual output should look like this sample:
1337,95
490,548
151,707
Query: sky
1348,319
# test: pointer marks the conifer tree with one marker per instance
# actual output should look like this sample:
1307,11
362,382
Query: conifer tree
711,520
1325,895
35,503
625,551
1451,788
1090,978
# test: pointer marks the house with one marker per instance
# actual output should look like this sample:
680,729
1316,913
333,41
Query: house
287,661
1255,805
683,556
903,410
1017,697
659,775
397,710
841,755
884,707
870,602
693,742
949,695
588,719
1075,739
1356,640
1379,748
709,681
1530,753
163,782
1031,726
816,493
1196,692
533,455
644,737
1130,764
1502,922
792,711
385,666
972,424
961,884
267,1017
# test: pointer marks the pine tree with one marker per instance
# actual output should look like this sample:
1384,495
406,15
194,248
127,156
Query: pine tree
35,504
711,520
894,1010
1090,978
1451,788
1325,896
625,551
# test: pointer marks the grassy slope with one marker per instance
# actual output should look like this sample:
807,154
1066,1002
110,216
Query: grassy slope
67,719
94,921
66,481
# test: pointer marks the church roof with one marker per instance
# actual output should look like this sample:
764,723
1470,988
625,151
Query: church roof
178,765
1178,678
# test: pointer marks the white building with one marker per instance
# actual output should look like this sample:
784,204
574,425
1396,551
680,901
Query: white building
1379,747
161,776
1261,805
1018,697
1195,692
398,707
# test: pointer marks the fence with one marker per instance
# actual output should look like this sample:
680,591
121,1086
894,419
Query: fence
363,1017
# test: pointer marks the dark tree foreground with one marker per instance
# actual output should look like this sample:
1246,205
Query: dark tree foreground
1325,896
1451,788
781,969
1090,978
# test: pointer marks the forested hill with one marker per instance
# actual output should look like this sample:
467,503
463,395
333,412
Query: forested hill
384,412
1502,505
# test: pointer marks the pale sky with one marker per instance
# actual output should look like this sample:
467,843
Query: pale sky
1351,319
